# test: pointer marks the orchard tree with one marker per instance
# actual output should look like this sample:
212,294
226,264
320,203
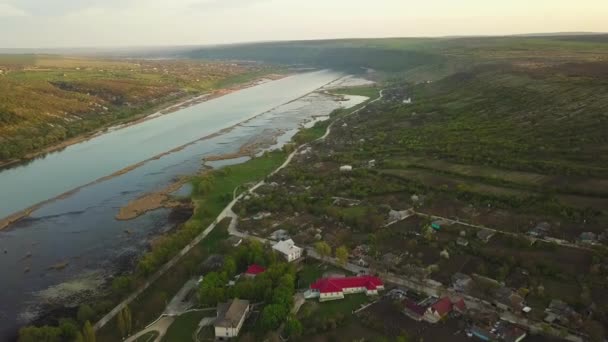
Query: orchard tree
342,255
323,249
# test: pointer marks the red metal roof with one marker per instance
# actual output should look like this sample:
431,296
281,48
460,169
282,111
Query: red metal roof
442,306
327,285
460,305
255,269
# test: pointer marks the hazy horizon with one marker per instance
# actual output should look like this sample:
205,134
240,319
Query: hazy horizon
146,23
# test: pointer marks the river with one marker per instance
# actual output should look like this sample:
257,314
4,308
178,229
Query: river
78,233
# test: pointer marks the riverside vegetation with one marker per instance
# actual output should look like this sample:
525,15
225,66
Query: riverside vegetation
46,100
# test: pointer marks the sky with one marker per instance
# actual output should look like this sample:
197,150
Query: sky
125,23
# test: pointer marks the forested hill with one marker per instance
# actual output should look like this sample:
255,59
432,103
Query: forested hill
351,55
415,59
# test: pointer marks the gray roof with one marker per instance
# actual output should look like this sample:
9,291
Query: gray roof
230,314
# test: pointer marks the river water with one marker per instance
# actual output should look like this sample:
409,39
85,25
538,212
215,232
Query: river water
79,231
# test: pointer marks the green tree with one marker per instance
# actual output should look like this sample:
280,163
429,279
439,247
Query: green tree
38,334
323,249
230,266
342,255
120,322
124,321
69,328
85,313
272,316
128,320
88,333
293,327
122,285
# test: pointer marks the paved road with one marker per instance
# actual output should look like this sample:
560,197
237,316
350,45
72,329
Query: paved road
160,326
179,304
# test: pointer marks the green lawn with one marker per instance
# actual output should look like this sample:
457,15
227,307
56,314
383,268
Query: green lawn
225,180
345,307
184,327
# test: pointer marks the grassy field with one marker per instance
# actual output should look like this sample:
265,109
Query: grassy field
45,99
224,181
184,326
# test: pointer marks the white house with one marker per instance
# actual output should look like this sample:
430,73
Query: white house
336,288
289,249
346,168
230,318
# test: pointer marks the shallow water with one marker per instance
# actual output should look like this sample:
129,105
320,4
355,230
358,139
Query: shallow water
81,230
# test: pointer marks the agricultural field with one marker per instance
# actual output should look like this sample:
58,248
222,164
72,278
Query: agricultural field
506,145
45,100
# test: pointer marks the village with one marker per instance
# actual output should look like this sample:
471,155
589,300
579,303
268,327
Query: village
335,245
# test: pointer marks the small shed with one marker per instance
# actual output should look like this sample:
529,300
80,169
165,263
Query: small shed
346,168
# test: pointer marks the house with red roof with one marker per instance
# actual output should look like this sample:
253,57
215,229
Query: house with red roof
336,288
439,310
254,270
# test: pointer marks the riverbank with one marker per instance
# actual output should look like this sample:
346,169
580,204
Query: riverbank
7,221
164,108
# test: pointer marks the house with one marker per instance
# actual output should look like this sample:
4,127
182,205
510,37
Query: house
289,250
507,299
459,306
499,331
485,235
230,318
462,242
462,282
336,288
439,310
413,310
588,238
540,231
360,251
254,270
346,168
362,262
279,235
560,312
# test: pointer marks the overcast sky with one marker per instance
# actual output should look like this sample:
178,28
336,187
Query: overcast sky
76,23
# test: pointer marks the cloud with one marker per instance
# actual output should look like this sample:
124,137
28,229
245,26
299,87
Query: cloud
8,10
62,7
211,5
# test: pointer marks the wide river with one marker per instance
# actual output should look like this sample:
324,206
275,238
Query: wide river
80,231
